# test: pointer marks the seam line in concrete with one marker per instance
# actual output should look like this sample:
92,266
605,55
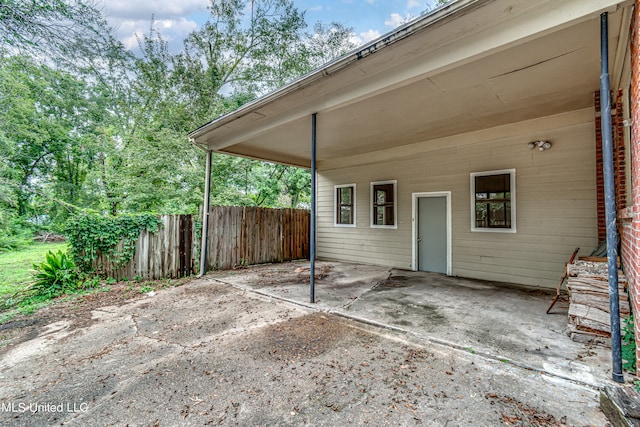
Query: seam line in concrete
366,291
421,337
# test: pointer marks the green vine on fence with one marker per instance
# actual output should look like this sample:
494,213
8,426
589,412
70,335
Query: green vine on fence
90,235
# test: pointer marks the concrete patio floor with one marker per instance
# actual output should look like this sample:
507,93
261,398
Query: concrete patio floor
492,320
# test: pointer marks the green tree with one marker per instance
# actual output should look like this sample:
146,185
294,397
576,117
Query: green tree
46,26
244,49
151,167
99,128
47,122
326,43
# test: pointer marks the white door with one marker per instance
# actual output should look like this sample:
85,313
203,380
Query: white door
432,233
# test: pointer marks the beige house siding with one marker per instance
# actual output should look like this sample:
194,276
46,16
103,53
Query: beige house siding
555,199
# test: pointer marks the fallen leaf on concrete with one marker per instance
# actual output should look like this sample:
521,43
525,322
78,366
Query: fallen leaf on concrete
510,420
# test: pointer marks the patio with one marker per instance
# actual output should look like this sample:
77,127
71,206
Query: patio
489,319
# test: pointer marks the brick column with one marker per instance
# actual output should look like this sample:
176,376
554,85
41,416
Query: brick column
619,160
602,224
619,153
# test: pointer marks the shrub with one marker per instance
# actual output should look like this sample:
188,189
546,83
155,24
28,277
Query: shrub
628,346
54,276
14,233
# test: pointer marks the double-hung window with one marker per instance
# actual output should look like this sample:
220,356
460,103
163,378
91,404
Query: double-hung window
493,203
384,204
345,205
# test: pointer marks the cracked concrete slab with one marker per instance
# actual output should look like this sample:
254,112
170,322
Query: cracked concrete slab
498,320
214,353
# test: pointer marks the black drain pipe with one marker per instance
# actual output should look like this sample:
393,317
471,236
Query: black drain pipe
610,200
312,219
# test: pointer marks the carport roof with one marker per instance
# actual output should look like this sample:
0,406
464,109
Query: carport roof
471,65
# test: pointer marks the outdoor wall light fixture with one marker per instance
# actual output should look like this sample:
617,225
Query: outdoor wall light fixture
540,145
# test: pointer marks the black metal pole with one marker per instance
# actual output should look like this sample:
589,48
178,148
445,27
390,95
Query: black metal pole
205,217
312,220
610,200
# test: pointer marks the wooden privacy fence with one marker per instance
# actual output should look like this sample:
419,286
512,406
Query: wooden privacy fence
237,236
169,253
251,235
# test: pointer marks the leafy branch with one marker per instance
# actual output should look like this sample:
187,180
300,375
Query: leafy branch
69,206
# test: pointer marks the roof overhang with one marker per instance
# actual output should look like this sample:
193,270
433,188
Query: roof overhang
471,65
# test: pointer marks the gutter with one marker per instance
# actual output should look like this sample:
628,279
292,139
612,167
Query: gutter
199,145
438,15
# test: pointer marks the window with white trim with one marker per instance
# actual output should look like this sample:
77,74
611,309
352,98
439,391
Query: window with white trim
384,204
344,213
493,201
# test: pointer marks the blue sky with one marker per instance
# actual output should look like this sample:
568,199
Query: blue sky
369,18
177,18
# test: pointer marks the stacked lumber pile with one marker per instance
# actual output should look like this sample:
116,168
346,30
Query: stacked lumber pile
588,285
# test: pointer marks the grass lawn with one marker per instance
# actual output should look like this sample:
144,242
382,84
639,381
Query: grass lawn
16,267
16,271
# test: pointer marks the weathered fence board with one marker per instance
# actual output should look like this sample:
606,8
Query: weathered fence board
237,236
168,253
252,235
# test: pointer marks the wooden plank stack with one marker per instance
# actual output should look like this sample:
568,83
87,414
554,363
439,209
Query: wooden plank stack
588,285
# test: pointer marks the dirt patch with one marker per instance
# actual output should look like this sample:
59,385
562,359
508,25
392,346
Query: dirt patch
21,323
301,338
284,274
74,308
394,282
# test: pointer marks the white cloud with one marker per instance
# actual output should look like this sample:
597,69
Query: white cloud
143,9
367,36
364,37
395,20
413,4
171,30
132,19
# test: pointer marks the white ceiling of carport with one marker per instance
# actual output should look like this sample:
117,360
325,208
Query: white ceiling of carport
357,113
